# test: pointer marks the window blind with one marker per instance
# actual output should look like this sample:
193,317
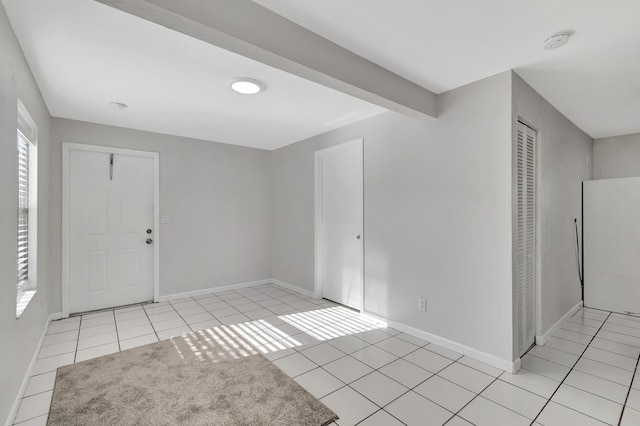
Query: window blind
23,209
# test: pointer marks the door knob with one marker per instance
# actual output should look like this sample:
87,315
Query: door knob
149,231
149,241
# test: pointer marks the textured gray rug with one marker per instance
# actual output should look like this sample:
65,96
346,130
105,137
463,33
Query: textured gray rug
202,378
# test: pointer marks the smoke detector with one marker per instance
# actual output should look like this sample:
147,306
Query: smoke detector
556,40
118,105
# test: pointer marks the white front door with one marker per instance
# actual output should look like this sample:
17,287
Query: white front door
110,229
339,225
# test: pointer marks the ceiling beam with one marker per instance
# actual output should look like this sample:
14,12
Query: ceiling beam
253,31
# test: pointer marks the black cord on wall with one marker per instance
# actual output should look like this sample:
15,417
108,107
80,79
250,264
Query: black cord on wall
575,222
582,225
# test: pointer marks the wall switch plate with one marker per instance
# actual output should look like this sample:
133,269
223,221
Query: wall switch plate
165,218
422,305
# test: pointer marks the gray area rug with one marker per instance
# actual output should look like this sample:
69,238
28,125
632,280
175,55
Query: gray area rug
202,378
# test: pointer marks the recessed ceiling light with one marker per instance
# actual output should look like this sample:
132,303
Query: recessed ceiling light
118,105
247,86
556,40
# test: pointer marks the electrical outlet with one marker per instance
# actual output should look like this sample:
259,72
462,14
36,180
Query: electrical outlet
422,305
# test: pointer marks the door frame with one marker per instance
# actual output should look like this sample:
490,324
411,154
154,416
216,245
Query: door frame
318,205
67,147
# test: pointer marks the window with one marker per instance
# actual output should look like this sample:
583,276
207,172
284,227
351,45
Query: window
26,257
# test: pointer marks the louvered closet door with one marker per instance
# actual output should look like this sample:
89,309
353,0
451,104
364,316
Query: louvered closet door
526,235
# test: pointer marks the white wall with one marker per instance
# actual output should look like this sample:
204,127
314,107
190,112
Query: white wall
616,157
218,197
437,215
20,336
564,161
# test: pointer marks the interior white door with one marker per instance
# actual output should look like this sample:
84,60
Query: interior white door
341,224
111,212
525,250
612,244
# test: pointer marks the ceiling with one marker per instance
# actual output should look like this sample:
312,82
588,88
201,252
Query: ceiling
85,55
594,80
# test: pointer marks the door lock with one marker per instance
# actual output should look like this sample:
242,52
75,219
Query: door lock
149,241
358,237
149,231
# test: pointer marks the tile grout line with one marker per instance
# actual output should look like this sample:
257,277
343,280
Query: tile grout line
602,338
589,391
555,349
609,364
585,357
604,350
572,341
597,309
115,323
581,321
476,397
579,332
150,323
207,311
596,337
181,317
525,389
637,329
28,420
133,327
629,391
609,340
624,334
569,372
93,335
75,354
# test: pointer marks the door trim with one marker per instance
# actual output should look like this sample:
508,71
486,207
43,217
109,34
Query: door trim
67,147
318,258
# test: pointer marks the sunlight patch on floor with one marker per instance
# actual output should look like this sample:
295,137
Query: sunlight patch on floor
226,342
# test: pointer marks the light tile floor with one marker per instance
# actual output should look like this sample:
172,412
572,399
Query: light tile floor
370,374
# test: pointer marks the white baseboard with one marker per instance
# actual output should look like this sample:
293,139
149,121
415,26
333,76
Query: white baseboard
503,364
295,288
516,366
25,381
212,290
542,339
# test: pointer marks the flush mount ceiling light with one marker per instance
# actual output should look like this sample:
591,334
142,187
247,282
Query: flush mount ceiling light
118,105
556,40
247,86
